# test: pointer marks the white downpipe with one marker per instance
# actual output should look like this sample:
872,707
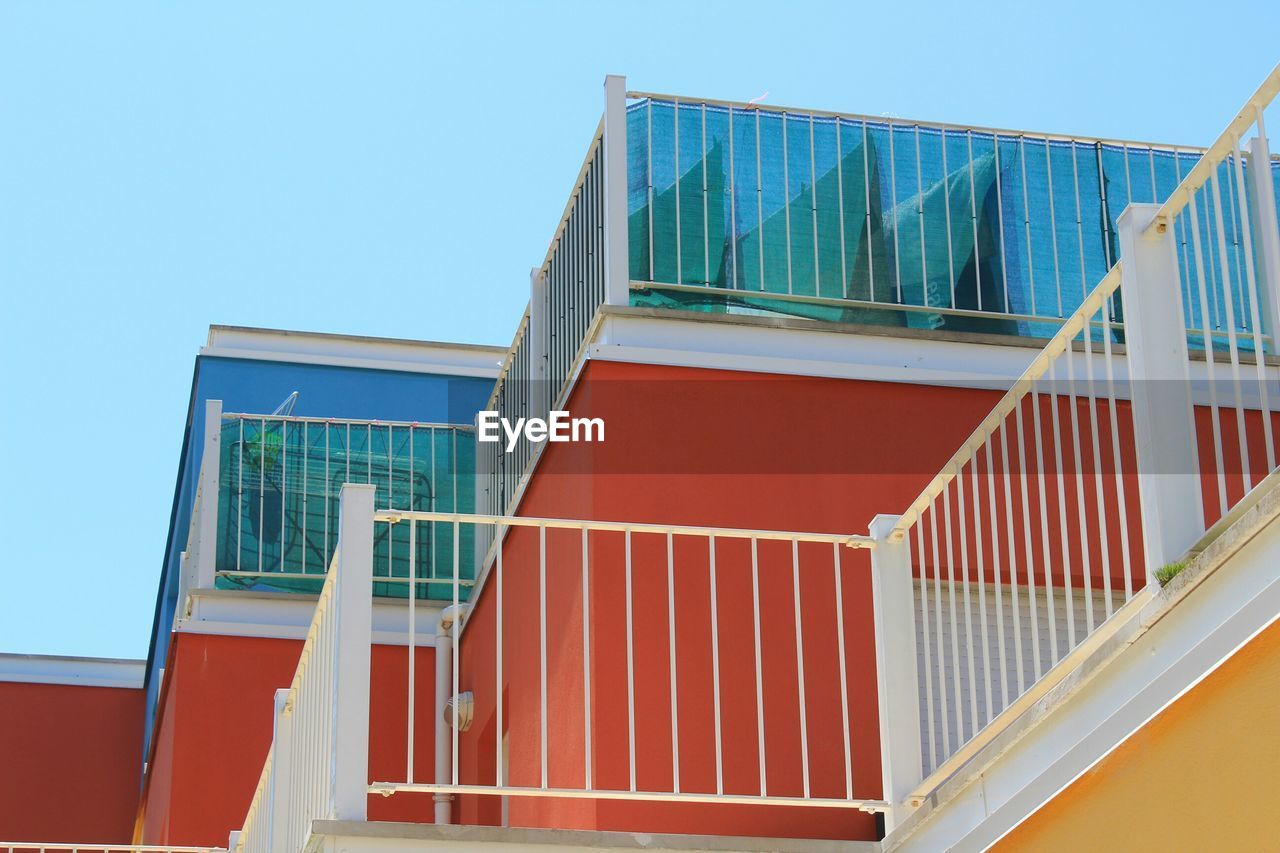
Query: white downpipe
444,685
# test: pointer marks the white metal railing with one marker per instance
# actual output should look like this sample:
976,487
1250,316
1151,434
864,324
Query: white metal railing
1054,518
547,606
584,268
317,764
1219,227
45,847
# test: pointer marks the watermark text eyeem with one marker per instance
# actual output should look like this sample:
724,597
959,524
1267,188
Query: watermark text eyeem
557,426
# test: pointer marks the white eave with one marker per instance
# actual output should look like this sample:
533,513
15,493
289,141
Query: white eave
81,671
411,356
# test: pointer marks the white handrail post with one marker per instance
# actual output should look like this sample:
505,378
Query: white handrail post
1266,233
206,556
1159,379
897,680
281,756
353,614
617,276
538,341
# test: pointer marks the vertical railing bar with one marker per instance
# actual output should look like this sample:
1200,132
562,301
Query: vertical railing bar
457,649
967,596
675,110
996,570
306,484
1104,540
284,487
1075,177
240,497
1068,357
786,199
706,236
1011,537
1050,616
1053,226
982,585
893,194
1004,263
924,263
542,650
586,664
954,624
1235,236
844,267
804,722
262,480
946,210
928,651
1251,283
1215,424
1117,460
1064,537
813,193
731,276
755,613
715,663
1026,223
866,189
943,710
844,677
499,655
759,204
1232,346
671,645
973,216
649,166
413,648
631,675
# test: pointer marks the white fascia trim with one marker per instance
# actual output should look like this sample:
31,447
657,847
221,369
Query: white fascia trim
350,351
1228,595
790,350
80,671
287,616
805,349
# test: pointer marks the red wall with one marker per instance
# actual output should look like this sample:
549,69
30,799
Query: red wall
70,762
702,447
215,730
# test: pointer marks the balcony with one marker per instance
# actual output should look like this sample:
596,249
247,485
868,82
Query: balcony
277,485
1036,551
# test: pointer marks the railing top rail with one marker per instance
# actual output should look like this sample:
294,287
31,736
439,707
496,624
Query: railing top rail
1039,366
522,329
596,139
910,122
1218,151
107,848
853,541
230,416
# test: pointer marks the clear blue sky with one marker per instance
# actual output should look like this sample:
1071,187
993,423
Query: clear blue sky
396,169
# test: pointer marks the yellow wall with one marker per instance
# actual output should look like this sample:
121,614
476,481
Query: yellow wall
1203,775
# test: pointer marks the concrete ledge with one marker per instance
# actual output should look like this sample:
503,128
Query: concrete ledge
419,836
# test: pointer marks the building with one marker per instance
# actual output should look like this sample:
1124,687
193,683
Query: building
911,526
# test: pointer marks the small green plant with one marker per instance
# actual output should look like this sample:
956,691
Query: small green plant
1164,574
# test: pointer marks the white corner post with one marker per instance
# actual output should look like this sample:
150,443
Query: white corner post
1266,232
897,681
281,770
539,344
1164,430
206,556
617,276
353,614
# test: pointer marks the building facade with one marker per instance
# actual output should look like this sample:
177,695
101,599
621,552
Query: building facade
934,510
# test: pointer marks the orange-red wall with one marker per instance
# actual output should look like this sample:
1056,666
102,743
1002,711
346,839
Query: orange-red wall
70,762
810,454
215,728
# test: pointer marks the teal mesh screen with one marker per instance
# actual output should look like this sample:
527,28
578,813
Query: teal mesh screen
279,481
912,225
